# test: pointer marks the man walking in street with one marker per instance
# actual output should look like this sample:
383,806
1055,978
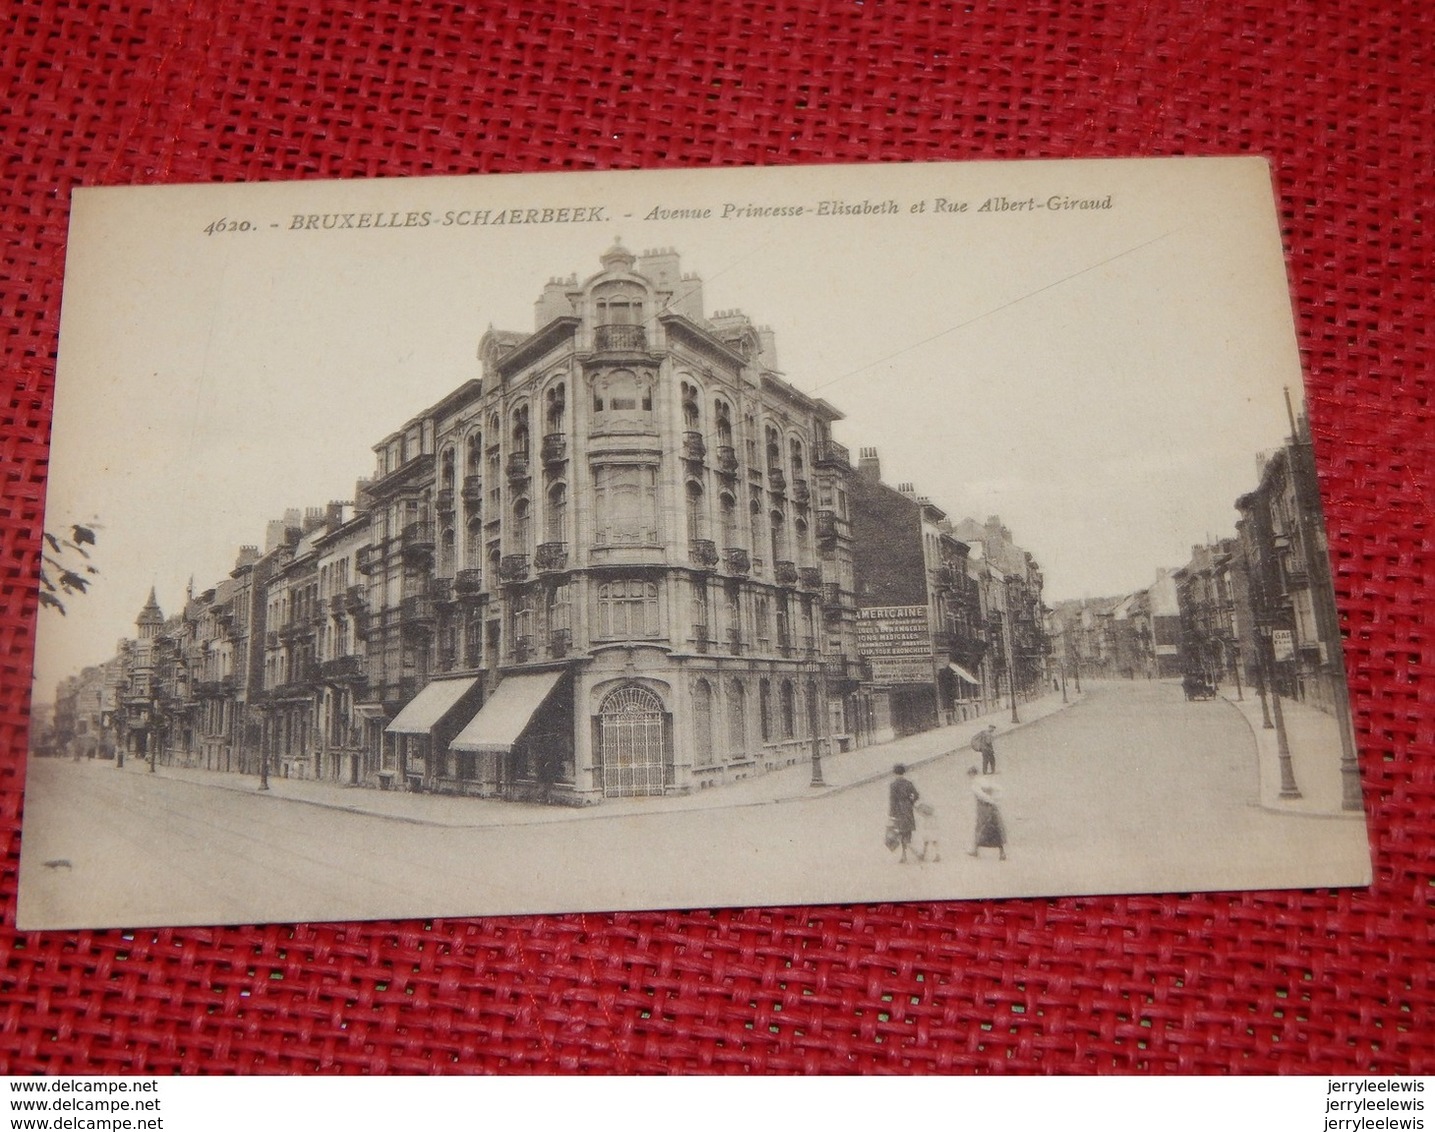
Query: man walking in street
982,741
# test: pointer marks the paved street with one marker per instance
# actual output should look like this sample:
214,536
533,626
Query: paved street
1131,789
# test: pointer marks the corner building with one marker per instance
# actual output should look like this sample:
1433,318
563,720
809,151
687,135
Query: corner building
616,564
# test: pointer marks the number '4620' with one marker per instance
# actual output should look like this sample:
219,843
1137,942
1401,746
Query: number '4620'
224,224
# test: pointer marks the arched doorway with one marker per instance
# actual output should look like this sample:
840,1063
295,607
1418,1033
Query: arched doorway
633,743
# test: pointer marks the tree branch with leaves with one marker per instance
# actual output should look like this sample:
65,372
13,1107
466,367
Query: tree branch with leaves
66,569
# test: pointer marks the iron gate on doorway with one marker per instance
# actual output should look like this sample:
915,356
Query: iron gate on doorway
633,731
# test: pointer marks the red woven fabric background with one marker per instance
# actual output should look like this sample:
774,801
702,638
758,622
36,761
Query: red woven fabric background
1340,95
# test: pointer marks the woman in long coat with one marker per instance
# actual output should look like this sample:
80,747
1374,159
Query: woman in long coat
991,829
902,808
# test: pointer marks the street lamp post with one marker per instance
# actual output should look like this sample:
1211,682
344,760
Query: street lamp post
1289,790
814,727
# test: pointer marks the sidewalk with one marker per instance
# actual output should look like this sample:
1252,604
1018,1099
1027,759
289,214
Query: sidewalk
840,772
1314,740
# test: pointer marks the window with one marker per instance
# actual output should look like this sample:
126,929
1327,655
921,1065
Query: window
700,609
727,506
522,622
764,708
622,391
789,710
724,424
736,719
628,610
774,448
559,609
520,430
627,505
473,543
619,304
473,458
697,514
692,415
557,517
762,621
779,537
703,722
446,469
556,409
445,552
522,524
798,468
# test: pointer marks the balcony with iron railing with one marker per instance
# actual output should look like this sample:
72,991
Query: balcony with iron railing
727,459
443,500
521,650
355,600
809,577
776,480
827,529
555,448
702,553
517,467
785,573
416,611
369,559
551,557
736,561
468,582
801,490
513,568
441,590
343,668
831,595
694,447
418,537
620,339
560,643
830,454
473,489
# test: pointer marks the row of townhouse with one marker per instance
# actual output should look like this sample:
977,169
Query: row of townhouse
1256,609
629,558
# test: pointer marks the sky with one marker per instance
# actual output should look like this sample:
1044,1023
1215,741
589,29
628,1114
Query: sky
1101,378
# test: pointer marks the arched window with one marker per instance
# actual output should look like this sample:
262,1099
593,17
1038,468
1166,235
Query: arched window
697,512
520,430
445,552
623,392
703,722
724,424
764,708
755,515
555,410
522,526
736,720
446,473
789,710
632,742
774,448
692,415
473,454
556,521
619,304
799,468
727,507
473,543
779,536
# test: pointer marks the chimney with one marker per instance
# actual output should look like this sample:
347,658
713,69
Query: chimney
553,303
869,465
908,490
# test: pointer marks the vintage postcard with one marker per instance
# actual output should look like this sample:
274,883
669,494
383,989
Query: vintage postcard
603,541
